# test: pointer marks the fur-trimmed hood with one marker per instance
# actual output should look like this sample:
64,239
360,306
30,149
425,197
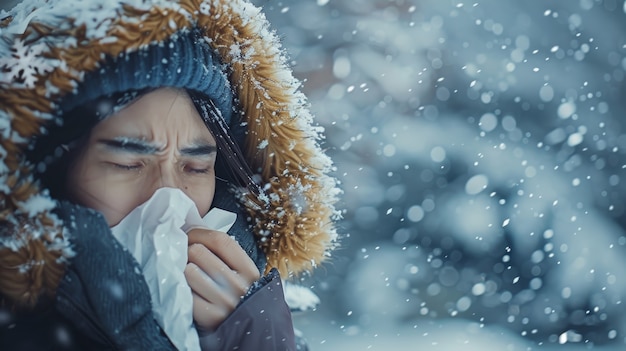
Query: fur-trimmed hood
47,47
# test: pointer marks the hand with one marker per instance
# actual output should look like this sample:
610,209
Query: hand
219,273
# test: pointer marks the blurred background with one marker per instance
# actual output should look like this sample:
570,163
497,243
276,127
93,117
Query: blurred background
481,148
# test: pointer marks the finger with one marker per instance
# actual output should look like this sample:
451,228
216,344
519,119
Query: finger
219,272
228,250
206,315
204,286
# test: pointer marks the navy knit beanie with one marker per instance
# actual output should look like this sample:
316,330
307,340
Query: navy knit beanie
183,61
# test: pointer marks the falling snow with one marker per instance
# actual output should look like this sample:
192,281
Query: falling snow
481,149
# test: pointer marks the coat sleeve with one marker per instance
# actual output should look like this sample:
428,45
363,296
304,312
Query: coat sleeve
261,322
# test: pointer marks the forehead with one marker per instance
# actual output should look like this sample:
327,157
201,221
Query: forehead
160,114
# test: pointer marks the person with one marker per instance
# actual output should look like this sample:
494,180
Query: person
104,105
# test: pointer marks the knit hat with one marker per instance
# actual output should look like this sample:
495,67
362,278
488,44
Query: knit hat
182,61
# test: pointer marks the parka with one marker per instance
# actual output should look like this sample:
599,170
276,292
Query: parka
57,258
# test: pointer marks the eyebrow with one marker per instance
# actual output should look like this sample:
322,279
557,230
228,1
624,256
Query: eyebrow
199,150
143,147
132,145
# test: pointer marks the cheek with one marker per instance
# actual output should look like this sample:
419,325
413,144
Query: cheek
202,195
90,187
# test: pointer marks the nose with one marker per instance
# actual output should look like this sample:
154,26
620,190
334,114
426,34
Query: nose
159,177
167,177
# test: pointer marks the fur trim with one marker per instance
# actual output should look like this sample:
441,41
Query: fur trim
294,223
296,231
32,269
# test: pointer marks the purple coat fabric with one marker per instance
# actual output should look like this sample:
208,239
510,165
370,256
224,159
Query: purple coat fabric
261,322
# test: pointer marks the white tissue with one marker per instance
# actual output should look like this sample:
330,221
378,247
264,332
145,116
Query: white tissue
155,233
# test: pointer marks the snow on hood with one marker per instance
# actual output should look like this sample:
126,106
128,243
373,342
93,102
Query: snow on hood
47,46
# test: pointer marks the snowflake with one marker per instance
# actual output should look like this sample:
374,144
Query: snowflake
25,63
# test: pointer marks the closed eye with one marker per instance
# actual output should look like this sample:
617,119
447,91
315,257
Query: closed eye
126,167
200,171
197,170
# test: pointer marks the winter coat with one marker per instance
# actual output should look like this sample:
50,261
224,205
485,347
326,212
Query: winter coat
58,259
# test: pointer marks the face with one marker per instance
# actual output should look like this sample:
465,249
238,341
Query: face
157,141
